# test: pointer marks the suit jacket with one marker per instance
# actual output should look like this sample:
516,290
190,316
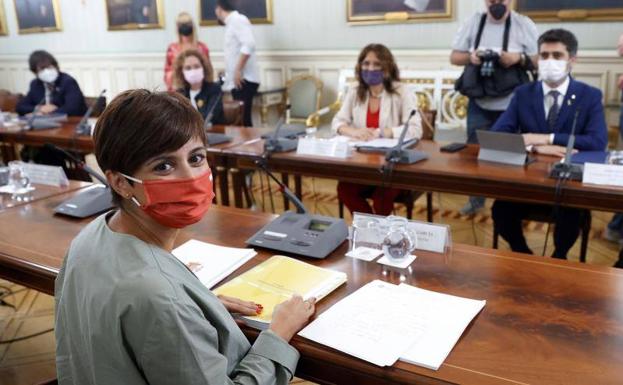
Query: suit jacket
66,95
526,114
394,112
206,98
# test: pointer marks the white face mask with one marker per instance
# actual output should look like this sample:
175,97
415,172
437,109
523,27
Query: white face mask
553,71
48,75
194,76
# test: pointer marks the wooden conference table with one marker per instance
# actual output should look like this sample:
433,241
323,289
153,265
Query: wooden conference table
545,322
459,173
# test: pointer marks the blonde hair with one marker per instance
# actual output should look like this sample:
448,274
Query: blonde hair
185,18
178,74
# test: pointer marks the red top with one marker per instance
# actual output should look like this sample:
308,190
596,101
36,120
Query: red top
173,50
372,119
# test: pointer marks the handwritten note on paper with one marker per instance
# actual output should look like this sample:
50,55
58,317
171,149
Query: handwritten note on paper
373,324
603,174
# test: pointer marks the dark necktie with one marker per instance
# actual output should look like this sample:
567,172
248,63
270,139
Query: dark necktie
552,115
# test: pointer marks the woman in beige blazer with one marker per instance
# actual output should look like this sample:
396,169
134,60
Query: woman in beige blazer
378,106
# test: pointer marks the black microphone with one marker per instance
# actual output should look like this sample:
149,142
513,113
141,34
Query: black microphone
300,207
80,163
207,123
83,128
276,144
400,155
565,169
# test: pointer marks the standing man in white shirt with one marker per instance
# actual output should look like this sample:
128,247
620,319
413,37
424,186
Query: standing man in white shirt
242,76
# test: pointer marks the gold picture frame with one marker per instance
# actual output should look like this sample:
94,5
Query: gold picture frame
360,12
253,9
4,29
124,15
35,17
558,14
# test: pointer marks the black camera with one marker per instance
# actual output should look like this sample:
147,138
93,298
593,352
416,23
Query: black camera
489,60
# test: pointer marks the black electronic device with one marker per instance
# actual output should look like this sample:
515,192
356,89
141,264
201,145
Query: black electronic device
94,200
299,233
278,144
453,147
399,154
83,127
566,169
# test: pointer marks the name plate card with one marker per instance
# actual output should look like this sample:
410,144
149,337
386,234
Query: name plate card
603,174
331,148
43,174
430,236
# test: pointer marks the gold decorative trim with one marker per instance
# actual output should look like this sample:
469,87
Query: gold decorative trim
57,20
135,26
398,17
267,20
570,15
4,29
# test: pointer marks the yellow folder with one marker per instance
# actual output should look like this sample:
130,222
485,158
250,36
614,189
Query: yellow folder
276,280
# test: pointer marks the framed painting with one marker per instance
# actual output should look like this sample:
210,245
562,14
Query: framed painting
35,16
4,30
571,10
134,14
258,11
397,11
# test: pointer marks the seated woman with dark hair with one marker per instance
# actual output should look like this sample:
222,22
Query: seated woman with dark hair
377,106
127,310
51,91
194,78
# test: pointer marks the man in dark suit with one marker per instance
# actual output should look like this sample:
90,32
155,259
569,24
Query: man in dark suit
51,91
544,112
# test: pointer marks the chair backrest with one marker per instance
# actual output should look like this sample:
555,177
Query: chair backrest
97,111
434,90
8,100
303,94
233,112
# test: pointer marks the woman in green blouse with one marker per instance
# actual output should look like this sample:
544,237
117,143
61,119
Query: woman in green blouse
127,311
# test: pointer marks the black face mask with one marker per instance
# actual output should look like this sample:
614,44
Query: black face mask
185,29
497,10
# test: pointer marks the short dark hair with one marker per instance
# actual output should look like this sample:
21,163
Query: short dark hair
39,58
227,5
563,36
139,125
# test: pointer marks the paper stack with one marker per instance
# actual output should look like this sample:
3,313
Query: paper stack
381,323
212,263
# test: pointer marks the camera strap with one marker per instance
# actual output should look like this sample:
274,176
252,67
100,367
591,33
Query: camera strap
481,28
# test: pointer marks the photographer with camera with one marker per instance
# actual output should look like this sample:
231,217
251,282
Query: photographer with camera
497,48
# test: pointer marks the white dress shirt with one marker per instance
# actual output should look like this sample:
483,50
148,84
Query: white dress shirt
548,101
193,95
239,40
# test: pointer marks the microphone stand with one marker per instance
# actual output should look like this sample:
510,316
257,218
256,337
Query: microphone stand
83,128
403,156
277,144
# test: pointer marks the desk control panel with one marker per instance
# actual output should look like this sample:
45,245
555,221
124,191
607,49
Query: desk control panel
308,235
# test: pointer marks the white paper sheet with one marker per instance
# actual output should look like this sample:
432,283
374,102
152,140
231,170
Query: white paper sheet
212,263
448,317
382,322
603,174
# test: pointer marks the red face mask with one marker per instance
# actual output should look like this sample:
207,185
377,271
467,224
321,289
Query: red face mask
176,203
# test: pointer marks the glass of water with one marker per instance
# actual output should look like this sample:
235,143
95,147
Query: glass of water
19,181
399,240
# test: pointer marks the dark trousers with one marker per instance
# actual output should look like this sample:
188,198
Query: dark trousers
508,217
479,119
354,196
246,94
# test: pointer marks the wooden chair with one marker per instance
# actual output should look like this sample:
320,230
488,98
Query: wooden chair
585,229
233,111
303,94
8,100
